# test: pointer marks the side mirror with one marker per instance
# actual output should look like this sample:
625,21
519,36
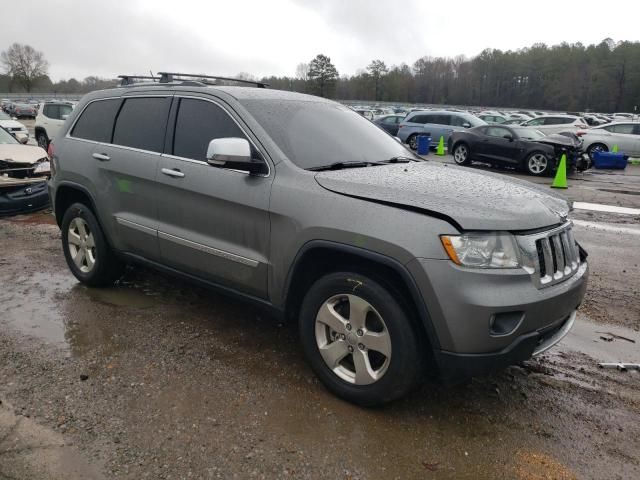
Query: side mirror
64,117
13,117
466,125
235,154
22,138
508,137
398,139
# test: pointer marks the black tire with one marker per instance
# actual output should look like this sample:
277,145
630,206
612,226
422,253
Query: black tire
404,366
596,147
106,268
527,166
458,149
412,141
43,140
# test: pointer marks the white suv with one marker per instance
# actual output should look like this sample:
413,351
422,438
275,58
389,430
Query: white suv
549,124
49,121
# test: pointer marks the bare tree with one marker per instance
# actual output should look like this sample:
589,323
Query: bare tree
302,71
246,76
24,64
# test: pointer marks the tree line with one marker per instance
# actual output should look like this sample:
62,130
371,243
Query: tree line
572,77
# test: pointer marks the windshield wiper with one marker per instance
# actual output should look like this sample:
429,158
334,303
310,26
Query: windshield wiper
341,165
400,159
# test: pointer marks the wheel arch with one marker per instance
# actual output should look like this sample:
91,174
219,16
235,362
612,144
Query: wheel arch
319,257
38,129
68,194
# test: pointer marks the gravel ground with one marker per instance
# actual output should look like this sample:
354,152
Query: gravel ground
155,378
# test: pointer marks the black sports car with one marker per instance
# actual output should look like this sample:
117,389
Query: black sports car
520,147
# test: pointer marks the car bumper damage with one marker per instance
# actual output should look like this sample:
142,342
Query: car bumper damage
487,320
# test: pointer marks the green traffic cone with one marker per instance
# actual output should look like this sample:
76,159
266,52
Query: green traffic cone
560,181
440,150
615,149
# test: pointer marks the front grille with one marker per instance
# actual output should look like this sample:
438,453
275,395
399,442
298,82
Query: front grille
553,256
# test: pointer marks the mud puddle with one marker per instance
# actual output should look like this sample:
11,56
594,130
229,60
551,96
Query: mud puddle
603,342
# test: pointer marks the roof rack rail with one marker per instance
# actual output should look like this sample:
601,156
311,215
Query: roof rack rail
167,77
130,79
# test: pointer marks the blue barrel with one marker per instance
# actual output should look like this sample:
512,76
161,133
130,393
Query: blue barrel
424,142
610,160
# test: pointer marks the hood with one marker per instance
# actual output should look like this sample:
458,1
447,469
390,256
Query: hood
469,199
569,140
21,153
12,124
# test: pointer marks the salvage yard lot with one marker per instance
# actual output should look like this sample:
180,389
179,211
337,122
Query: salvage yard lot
156,378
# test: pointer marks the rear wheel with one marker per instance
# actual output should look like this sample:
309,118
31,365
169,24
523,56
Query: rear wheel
461,154
537,164
86,250
359,340
413,142
596,147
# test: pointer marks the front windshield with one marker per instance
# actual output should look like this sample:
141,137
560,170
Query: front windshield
314,134
529,133
6,138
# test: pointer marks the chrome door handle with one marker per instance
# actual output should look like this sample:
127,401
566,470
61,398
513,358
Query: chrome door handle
102,157
172,172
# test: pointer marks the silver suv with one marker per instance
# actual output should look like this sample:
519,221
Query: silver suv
395,269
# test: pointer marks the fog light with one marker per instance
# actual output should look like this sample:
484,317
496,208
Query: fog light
505,323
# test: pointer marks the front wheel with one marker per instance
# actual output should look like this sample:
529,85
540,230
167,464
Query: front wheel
596,147
537,164
86,250
42,140
461,154
359,340
413,142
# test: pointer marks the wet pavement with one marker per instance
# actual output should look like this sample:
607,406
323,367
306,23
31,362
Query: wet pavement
156,378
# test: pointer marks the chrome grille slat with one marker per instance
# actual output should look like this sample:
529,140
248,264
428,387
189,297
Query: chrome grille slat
552,257
560,261
548,259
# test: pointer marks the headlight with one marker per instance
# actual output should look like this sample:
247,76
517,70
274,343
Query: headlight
482,250
43,166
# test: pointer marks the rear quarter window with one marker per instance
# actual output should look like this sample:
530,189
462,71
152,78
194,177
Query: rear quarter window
96,121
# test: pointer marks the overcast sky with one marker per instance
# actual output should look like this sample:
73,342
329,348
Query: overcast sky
264,37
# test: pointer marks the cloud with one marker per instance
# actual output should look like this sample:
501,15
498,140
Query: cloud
107,38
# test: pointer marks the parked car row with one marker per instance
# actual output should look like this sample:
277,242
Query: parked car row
531,141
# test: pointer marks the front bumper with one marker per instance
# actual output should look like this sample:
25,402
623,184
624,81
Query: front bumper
455,367
18,199
463,305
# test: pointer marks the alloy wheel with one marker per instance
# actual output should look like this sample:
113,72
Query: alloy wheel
460,154
537,163
353,339
82,245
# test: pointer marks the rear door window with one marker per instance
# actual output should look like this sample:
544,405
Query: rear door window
457,121
419,119
96,122
627,128
142,122
51,111
197,123
439,119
